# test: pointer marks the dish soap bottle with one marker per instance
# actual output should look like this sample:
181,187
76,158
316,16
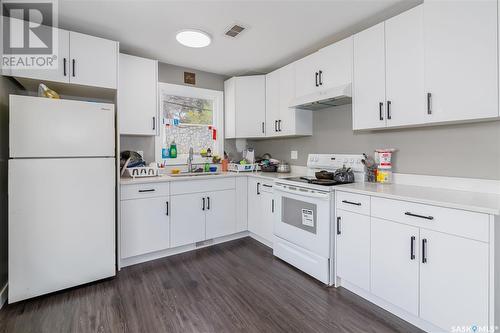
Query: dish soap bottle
173,150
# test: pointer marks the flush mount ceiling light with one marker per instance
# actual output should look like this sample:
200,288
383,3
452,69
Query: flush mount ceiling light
193,38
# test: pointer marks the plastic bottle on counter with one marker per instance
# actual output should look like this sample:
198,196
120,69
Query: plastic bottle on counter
173,150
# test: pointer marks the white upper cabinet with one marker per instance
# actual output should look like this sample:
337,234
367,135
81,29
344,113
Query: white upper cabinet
369,78
434,63
245,106
94,61
280,119
404,60
82,59
137,95
328,68
461,72
61,73
335,64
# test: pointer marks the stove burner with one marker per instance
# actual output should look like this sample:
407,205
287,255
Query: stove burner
326,182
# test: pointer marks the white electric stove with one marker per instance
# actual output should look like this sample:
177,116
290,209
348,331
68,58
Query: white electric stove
304,226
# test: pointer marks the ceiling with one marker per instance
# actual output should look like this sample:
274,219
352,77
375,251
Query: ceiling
278,32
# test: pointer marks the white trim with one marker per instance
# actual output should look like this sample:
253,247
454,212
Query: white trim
4,294
180,249
218,113
450,183
260,239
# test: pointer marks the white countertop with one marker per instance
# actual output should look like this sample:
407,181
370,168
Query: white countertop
168,178
472,201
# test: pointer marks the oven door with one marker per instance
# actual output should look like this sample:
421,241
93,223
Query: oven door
303,218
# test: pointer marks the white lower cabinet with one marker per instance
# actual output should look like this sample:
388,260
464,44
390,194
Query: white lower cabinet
145,226
188,219
220,214
261,209
431,265
353,248
394,263
453,280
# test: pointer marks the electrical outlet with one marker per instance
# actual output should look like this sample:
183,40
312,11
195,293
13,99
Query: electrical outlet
294,154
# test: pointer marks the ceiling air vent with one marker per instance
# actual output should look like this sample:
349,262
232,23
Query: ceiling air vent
234,31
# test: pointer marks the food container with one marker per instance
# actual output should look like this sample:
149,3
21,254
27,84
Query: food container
213,168
385,158
384,176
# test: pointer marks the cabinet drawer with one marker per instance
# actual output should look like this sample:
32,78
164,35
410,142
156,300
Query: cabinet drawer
453,221
352,202
202,185
138,191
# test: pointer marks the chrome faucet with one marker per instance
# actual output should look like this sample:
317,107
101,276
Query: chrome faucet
190,160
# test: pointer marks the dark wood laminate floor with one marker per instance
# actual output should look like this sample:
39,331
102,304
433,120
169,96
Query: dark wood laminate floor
232,287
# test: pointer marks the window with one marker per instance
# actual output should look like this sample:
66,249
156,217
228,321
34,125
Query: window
192,117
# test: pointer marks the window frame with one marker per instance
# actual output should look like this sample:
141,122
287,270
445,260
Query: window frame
216,96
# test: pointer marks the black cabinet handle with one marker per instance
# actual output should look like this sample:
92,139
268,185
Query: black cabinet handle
64,66
412,248
320,78
154,123
148,190
338,225
267,185
420,216
276,126
279,125
258,188
381,111
73,64
208,203
352,203
203,205
272,206
263,129
317,85
167,206
424,251
429,103
389,116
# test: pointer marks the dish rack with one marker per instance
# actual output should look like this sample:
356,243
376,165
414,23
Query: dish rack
141,172
236,167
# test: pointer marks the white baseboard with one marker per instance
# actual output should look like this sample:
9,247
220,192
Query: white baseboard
180,249
3,294
261,240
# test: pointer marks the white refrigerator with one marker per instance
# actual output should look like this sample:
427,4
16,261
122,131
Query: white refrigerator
61,194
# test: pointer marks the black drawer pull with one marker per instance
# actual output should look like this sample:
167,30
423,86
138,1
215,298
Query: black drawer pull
352,203
338,225
266,185
150,190
420,216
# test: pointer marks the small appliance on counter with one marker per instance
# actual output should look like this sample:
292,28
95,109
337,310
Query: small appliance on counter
283,167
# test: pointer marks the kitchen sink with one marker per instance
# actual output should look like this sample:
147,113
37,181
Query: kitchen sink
193,174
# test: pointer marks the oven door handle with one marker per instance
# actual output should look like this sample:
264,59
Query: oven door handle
279,188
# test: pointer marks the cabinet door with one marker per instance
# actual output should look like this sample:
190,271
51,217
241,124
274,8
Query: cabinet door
137,95
453,280
266,228
94,61
369,78
353,248
306,75
394,263
187,224
460,43
255,213
335,64
241,204
404,47
230,108
250,107
61,73
273,103
145,226
220,214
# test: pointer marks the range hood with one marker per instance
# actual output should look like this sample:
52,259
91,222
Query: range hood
336,96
